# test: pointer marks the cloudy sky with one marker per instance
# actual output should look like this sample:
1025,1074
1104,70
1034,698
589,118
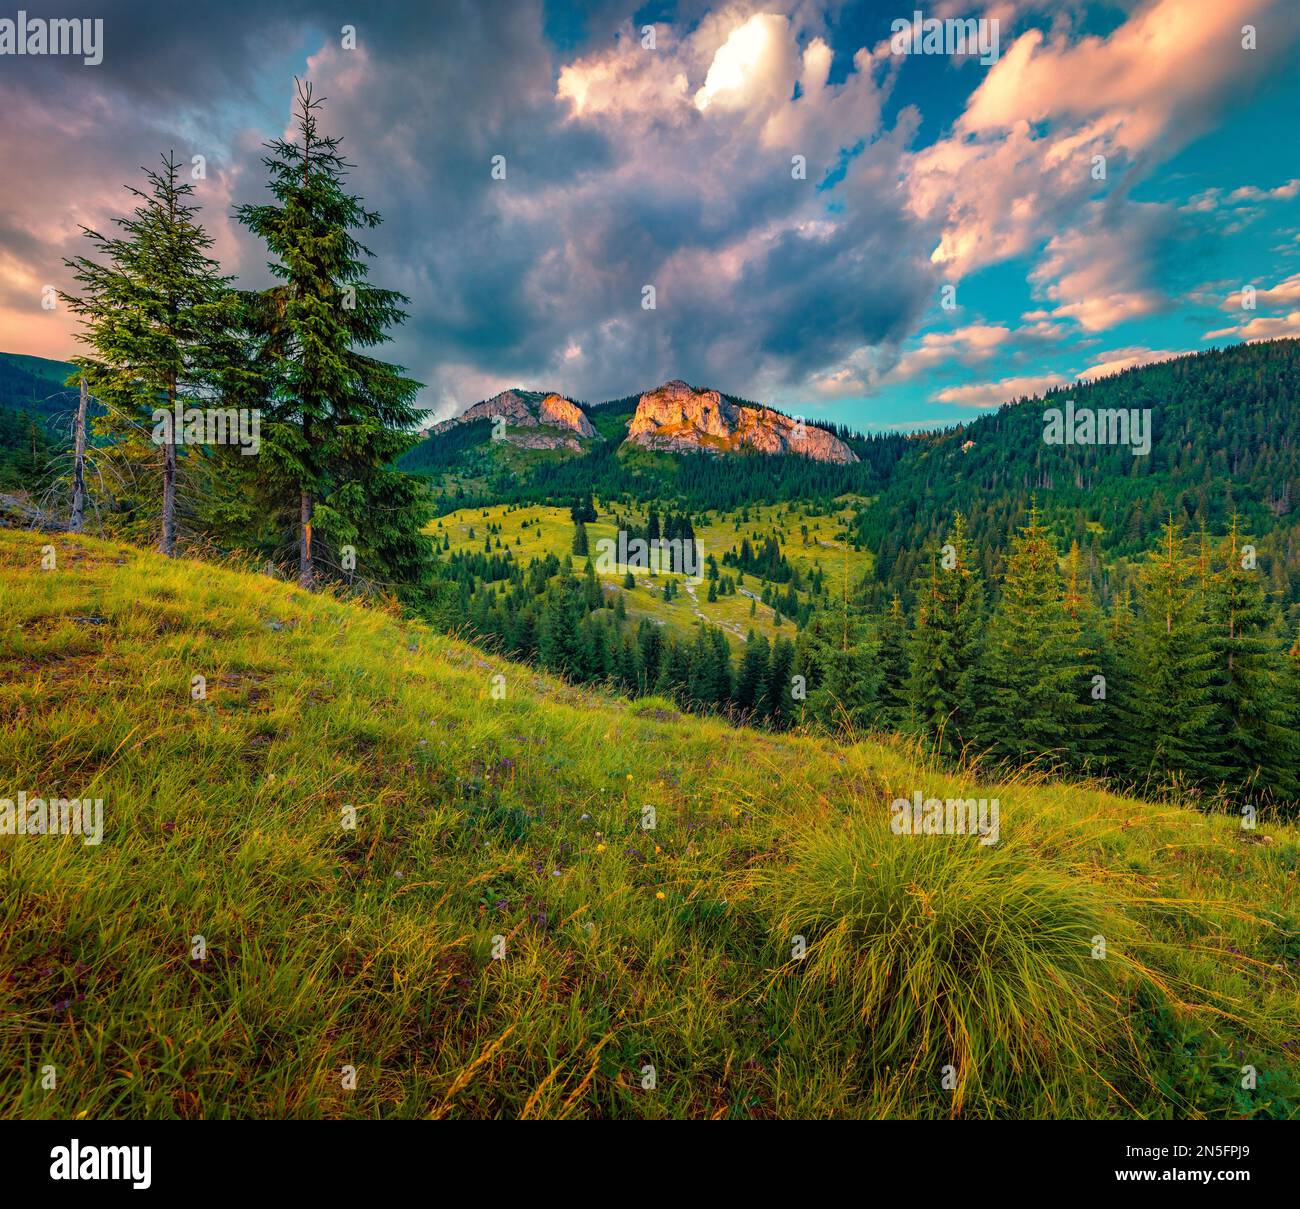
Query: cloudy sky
655,146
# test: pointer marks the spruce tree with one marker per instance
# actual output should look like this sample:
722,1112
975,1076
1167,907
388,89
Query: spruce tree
160,320
894,710
560,639
1089,748
1108,696
1035,668
337,416
593,595
751,681
1257,745
945,642
1168,704
782,707
629,671
838,656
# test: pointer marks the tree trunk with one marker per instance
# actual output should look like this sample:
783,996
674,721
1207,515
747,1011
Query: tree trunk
79,463
168,542
306,568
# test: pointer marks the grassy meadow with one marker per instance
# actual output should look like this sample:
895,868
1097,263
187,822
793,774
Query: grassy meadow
500,935
534,531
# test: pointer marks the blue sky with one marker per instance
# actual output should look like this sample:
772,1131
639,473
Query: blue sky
670,165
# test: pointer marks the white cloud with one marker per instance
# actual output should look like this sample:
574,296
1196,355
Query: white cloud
1120,359
1261,328
993,394
1017,168
1096,274
1285,292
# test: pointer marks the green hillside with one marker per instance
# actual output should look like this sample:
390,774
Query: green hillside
32,395
1226,440
501,935
532,532
25,382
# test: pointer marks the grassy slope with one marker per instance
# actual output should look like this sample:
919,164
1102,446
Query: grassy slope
624,948
550,531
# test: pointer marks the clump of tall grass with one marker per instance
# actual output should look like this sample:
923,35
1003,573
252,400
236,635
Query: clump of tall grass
963,974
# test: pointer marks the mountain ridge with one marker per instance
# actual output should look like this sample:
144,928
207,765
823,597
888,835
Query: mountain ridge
528,409
674,418
677,416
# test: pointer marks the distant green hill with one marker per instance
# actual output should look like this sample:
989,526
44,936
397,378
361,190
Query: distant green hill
472,469
32,395
1225,440
27,382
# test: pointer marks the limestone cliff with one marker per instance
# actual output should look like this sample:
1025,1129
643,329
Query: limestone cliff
679,418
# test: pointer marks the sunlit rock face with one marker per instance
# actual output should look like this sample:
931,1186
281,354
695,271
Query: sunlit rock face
557,421
676,417
560,412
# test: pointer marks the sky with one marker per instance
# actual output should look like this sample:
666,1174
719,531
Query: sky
1120,184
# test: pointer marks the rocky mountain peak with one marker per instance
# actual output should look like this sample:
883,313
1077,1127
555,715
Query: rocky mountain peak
679,418
545,411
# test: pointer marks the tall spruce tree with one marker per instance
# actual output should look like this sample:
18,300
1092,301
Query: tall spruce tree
337,417
1115,660
894,709
944,649
751,680
161,322
1168,703
1257,746
783,707
1089,748
838,655
1035,668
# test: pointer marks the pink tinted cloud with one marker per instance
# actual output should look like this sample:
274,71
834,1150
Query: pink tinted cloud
992,394
1019,164
1120,359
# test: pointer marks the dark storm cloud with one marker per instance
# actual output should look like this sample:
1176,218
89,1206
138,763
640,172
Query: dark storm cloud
535,279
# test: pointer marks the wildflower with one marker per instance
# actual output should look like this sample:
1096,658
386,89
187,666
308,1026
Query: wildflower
600,847
661,894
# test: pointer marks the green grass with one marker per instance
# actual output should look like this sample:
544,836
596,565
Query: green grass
519,816
543,530
824,547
